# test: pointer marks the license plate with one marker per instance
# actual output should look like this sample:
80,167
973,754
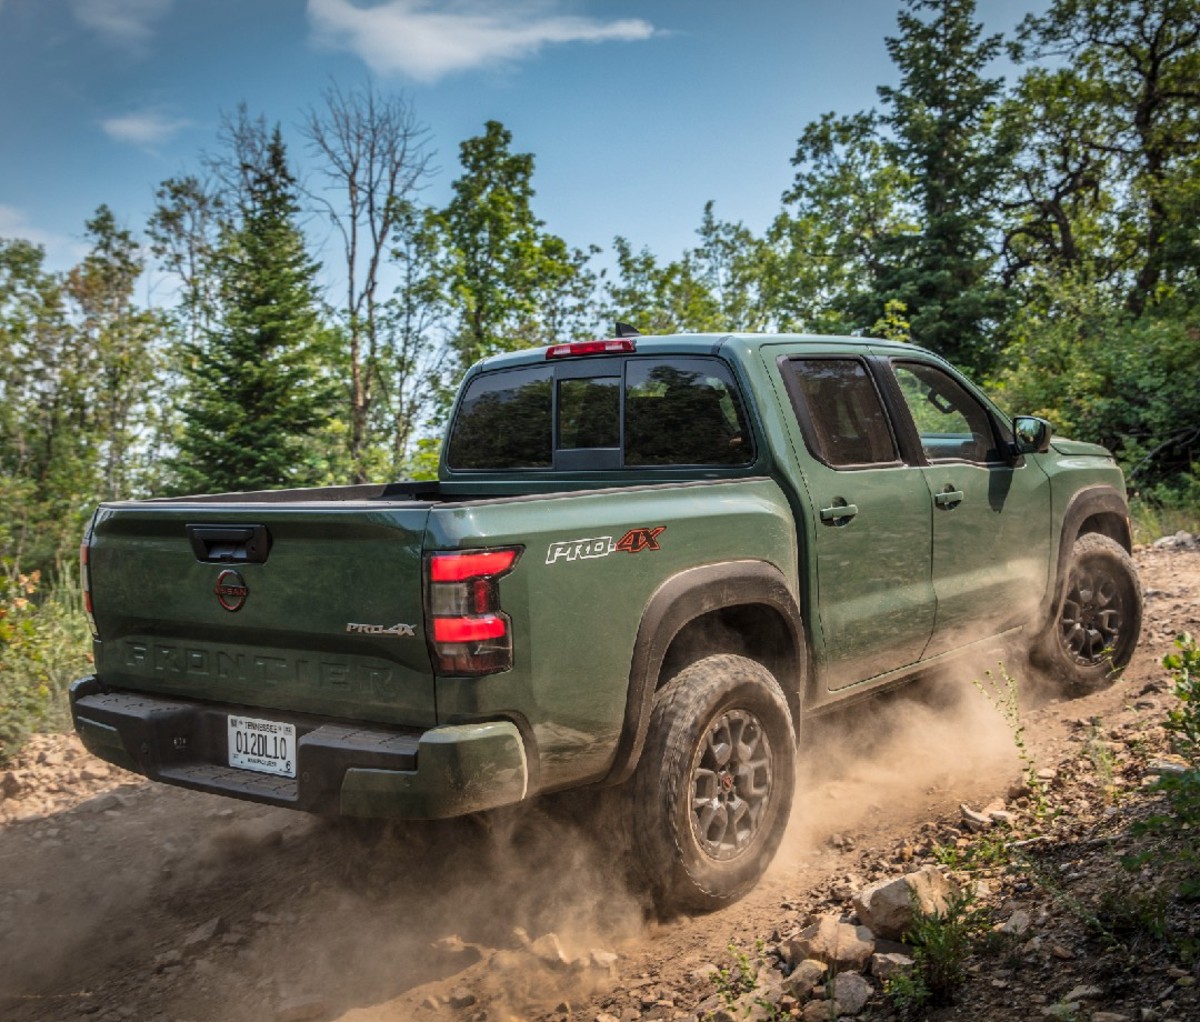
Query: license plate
268,746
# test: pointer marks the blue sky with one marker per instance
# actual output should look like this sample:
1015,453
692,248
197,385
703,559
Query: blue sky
637,113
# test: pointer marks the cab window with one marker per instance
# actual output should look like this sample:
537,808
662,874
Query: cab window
951,423
840,412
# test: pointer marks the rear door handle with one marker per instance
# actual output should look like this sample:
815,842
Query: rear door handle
949,499
839,512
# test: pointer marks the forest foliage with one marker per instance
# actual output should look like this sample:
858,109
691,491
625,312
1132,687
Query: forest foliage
1041,231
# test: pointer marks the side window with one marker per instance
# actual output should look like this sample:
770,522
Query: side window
840,411
503,421
685,411
952,424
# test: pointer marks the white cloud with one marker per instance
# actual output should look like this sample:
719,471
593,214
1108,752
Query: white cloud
129,22
426,40
61,250
145,128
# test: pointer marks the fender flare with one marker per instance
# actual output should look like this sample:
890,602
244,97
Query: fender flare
1088,502
680,600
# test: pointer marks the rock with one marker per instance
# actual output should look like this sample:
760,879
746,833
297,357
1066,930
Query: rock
819,1011
887,907
549,950
850,991
1109,1016
167,959
606,960
10,784
101,803
461,997
806,975
1063,954
1180,541
837,944
203,934
1084,993
884,967
975,822
1017,924
1166,768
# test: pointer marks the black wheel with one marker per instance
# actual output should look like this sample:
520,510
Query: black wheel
714,784
1096,630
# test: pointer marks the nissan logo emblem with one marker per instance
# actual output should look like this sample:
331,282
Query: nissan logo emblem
231,590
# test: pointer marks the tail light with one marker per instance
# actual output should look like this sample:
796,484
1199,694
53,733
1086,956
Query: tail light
468,632
85,581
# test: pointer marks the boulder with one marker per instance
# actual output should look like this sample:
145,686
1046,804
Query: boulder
839,945
808,974
888,907
884,967
850,991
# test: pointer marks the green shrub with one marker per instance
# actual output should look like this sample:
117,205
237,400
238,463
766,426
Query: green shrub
43,646
1182,790
25,697
942,942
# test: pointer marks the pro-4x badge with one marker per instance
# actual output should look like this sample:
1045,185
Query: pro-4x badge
637,540
633,542
400,630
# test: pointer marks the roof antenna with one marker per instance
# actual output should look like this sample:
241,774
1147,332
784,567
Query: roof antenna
625,330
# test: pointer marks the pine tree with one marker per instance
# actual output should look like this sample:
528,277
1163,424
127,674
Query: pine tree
942,132
258,390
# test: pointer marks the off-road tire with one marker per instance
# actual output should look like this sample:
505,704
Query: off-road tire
1095,628
686,799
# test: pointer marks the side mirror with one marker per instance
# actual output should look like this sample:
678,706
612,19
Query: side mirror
1031,435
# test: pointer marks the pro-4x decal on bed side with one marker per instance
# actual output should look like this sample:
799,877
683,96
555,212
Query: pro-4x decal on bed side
633,542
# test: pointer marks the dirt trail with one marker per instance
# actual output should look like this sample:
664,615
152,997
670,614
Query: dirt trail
120,899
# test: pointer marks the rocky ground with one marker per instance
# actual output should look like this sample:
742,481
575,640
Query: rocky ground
120,899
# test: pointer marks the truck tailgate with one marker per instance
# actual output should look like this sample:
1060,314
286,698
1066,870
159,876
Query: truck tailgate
313,607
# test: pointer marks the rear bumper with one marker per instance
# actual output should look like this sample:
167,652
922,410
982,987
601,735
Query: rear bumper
354,771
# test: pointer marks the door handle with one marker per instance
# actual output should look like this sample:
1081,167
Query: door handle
949,499
839,513
221,544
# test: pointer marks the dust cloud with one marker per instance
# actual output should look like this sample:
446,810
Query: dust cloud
188,906
895,756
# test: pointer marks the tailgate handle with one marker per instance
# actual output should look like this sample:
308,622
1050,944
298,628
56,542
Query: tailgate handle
226,544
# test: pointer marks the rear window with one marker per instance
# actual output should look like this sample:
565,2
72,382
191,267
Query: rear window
503,421
636,412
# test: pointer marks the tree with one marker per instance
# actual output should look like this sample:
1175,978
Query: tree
124,349
258,390
501,264
184,231
829,245
1132,98
33,340
657,298
942,121
412,384
375,159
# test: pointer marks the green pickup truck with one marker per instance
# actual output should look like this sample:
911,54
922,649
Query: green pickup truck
645,563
